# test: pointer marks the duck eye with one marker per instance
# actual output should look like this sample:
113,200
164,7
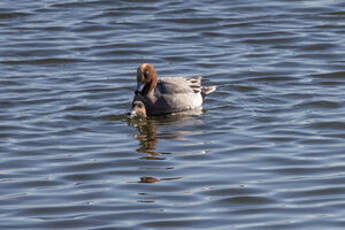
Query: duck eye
146,73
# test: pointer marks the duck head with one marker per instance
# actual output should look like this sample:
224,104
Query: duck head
146,79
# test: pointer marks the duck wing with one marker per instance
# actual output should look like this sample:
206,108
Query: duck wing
179,85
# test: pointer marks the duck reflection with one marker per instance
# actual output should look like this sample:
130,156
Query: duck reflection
148,133
148,180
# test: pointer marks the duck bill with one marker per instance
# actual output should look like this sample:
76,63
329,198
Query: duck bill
139,88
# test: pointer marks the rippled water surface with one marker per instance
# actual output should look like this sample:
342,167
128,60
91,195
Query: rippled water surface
267,152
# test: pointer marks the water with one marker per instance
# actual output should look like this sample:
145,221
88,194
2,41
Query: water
267,152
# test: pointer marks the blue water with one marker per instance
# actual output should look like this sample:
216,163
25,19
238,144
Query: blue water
267,152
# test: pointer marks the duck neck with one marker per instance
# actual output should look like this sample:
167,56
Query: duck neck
149,87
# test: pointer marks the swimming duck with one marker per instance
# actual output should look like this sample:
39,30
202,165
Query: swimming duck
169,94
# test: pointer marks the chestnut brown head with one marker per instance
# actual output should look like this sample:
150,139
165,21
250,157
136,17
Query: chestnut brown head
146,79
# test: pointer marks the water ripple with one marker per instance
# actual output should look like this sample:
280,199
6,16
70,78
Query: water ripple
265,152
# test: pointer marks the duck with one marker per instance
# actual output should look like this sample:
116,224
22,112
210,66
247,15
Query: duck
166,95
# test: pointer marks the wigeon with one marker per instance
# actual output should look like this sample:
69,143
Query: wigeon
167,95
